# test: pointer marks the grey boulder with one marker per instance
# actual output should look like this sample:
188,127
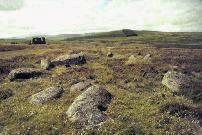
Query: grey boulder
24,73
181,83
88,109
44,96
68,59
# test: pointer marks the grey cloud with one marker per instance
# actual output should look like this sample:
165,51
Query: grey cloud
7,5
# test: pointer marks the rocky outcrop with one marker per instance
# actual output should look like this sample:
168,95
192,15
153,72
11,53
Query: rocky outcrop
67,59
46,95
81,86
24,73
88,108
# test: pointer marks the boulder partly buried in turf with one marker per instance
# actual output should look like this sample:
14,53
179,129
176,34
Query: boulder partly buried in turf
182,84
81,86
110,54
24,73
177,82
88,109
44,96
73,59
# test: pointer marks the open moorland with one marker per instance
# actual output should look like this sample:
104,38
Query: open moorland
129,69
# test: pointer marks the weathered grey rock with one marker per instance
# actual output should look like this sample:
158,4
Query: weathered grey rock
88,108
4,94
177,82
147,57
46,95
24,73
45,64
110,54
81,86
68,59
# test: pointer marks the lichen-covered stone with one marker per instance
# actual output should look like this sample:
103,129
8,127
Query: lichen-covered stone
68,59
88,108
44,96
24,73
183,84
177,81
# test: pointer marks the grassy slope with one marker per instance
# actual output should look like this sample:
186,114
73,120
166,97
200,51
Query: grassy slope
138,99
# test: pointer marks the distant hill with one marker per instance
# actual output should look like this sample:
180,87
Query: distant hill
146,37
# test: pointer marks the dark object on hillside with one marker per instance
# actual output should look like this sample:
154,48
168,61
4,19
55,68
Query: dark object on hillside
129,33
37,40
24,73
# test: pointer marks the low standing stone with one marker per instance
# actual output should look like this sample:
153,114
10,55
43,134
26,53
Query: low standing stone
110,54
45,64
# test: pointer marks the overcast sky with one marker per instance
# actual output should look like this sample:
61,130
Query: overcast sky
20,18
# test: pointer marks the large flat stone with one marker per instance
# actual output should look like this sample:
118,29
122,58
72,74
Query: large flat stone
44,96
68,59
24,73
